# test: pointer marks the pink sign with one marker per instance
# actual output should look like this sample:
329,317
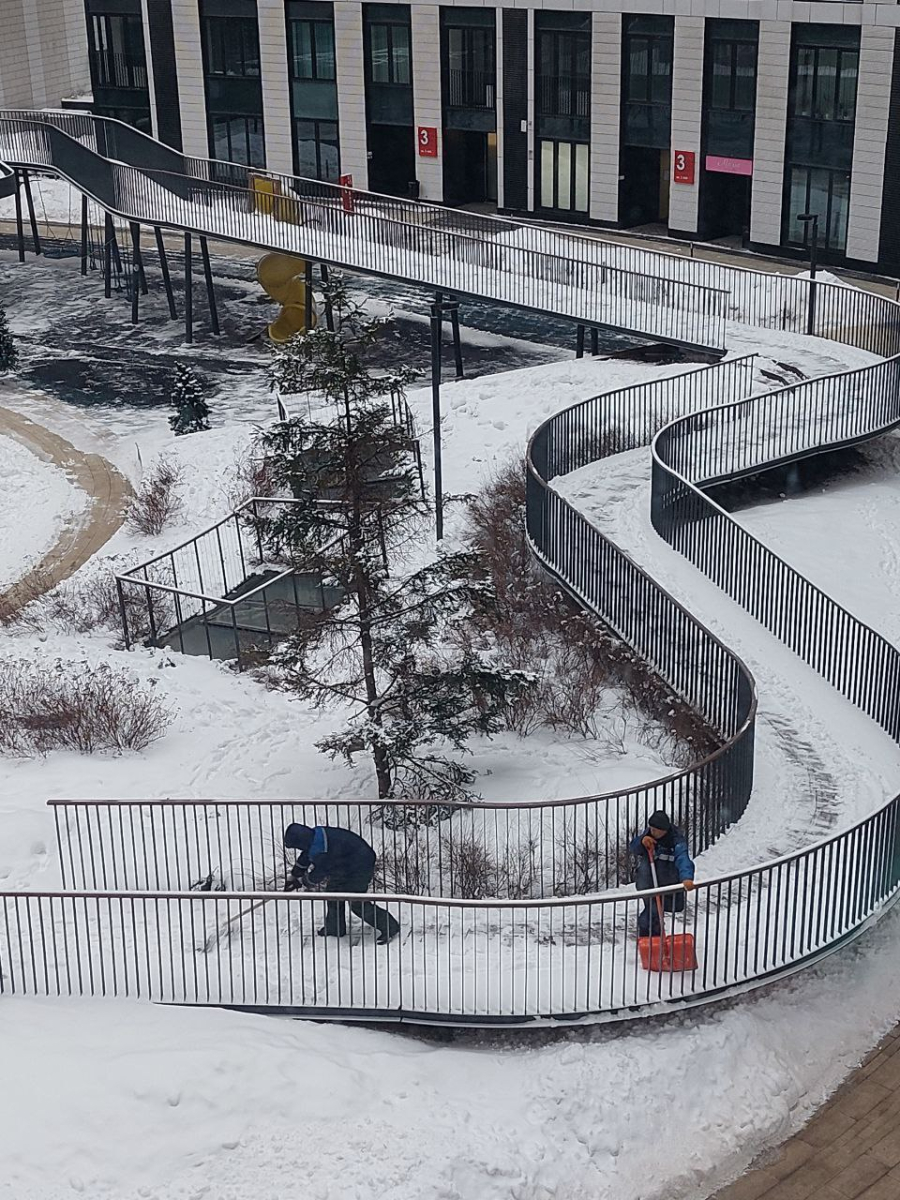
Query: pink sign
729,166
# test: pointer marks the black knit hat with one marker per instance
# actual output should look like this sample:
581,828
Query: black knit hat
659,820
298,837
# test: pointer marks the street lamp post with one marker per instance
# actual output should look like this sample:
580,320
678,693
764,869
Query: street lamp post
811,219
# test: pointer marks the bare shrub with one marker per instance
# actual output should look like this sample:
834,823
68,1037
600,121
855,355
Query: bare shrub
75,706
520,871
582,854
156,503
253,474
16,600
580,663
404,866
471,872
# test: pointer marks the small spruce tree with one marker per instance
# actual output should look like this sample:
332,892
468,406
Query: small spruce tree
9,354
382,653
191,410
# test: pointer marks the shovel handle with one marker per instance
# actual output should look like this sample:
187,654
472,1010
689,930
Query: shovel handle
659,904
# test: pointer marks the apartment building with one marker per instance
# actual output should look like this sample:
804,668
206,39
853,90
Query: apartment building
43,55
708,118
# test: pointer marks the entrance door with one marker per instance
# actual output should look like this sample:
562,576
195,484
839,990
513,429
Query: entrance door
644,187
725,203
465,166
392,161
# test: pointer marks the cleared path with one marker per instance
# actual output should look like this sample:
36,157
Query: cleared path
109,493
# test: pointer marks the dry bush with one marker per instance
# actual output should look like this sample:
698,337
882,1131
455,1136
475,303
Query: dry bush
156,503
252,475
584,867
537,627
404,866
520,872
16,601
75,706
470,870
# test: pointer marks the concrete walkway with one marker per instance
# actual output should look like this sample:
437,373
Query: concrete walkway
850,1150
109,493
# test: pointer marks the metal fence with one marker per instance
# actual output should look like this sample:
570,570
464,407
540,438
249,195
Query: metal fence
456,961
519,959
358,230
219,593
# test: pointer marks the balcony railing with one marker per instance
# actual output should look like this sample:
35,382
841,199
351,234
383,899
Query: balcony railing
471,89
119,71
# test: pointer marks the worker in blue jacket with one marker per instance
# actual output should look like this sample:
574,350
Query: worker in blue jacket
337,860
673,865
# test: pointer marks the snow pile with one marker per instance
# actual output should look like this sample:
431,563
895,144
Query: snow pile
45,493
143,1103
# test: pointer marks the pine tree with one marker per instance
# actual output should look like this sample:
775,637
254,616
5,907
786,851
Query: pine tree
9,354
382,652
191,410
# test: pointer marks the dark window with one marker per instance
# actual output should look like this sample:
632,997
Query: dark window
564,74
312,49
825,80
819,190
237,139
117,51
649,68
388,58
470,67
733,76
232,46
233,85
316,150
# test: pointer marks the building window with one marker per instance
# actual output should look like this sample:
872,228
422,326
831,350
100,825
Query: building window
312,50
649,73
117,51
230,36
470,71
316,150
733,76
564,73
238,139
389,59
647,81
819,190
232,47
565,174
825,84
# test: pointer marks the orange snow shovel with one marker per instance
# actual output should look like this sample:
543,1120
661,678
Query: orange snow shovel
674,953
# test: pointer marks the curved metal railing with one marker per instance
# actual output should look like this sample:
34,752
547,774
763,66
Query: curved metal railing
570,957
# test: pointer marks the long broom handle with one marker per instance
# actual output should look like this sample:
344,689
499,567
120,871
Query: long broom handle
659,904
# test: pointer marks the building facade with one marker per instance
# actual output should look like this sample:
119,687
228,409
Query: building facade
706,118
43,56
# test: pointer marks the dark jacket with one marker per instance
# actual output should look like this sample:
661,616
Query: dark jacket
673,863
335,854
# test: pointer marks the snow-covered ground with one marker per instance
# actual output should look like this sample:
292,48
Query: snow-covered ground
119,1100
37,501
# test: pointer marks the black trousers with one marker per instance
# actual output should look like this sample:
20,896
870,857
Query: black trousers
336,910
648,921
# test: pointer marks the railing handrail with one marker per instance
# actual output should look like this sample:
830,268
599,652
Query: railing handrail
711,299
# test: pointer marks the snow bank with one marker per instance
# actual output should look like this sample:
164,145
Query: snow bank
129,1102
43,491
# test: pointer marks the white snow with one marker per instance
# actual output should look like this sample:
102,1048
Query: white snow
120,1101
37,500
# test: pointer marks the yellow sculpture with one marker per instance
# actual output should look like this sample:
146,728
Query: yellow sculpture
283,277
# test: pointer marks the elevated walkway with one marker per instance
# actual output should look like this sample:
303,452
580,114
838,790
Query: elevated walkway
147,183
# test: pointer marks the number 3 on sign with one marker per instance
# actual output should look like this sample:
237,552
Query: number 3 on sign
683,166
427,142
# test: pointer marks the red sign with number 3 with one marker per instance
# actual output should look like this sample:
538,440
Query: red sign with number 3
683,166
427,142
